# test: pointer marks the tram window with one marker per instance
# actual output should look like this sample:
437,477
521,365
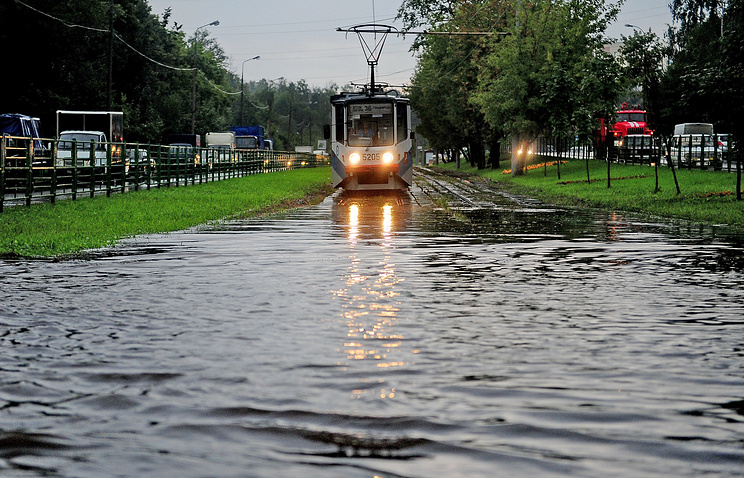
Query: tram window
371,130
340,121
402,112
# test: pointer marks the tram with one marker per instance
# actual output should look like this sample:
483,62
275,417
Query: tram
371,141
370,134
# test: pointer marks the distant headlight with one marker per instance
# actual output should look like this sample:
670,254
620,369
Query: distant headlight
387,158
354,158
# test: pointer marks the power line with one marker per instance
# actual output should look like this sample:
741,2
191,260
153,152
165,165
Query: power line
148,58
67,24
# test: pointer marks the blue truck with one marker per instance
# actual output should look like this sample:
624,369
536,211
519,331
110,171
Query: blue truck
250,137
17,128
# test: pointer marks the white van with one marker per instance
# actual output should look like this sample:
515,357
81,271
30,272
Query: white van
695,146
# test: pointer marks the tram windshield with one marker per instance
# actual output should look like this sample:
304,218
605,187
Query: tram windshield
371,124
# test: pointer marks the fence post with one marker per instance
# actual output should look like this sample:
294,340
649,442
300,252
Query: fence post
178,166
53,185
738,168
656,158
108,169
2,172
671,164
92,167
123,166
29,176
73,156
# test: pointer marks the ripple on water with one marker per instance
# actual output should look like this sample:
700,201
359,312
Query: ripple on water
375,335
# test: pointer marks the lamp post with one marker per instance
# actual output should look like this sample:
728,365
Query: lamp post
242,90
193,91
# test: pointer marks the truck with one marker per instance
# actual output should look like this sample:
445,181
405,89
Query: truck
629,121
249,137
193,140
81,130
21,131
630,139
220,140
220,147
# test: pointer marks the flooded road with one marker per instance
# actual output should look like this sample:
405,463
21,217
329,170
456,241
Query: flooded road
382,336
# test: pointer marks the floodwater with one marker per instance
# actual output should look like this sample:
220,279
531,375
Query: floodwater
382,336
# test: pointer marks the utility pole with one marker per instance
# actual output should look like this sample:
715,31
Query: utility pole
242,89
111,55
193,91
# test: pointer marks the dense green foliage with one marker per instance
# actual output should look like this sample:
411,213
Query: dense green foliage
56,56
540,71
69,227
543,70
706,68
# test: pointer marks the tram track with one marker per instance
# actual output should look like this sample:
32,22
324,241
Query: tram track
462,193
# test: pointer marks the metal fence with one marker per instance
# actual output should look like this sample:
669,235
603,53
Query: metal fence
70,170
690,151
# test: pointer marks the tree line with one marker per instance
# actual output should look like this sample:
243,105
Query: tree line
543,69
56,55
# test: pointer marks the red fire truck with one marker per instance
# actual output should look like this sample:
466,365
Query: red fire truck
629,121
629,139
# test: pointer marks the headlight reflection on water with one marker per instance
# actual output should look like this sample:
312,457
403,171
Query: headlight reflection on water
370,306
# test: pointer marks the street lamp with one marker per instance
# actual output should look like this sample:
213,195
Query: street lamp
193,92
628,25
242,72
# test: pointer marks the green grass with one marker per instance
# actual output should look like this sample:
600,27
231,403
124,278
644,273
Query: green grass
706,196
70,227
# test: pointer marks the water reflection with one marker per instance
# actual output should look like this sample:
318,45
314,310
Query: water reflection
370,299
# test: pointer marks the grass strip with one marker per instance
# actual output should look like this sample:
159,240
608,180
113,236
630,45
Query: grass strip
706,196
70,227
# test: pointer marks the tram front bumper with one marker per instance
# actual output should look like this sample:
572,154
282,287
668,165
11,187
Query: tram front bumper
372,168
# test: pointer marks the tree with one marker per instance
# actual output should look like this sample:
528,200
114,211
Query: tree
447,74
65,65
550,75
702,83
643,55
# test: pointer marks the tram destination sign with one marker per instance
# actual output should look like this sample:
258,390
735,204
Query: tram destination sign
371,108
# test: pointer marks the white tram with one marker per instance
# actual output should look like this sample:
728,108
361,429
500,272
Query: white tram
371,140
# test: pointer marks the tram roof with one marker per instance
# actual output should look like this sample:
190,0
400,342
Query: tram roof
391,96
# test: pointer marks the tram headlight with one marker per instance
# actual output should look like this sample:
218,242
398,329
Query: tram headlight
354,158
387,158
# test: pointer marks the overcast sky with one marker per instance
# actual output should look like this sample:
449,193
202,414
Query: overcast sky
297,39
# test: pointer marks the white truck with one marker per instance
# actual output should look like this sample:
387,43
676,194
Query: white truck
220,140
220,147
81,142
89,133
